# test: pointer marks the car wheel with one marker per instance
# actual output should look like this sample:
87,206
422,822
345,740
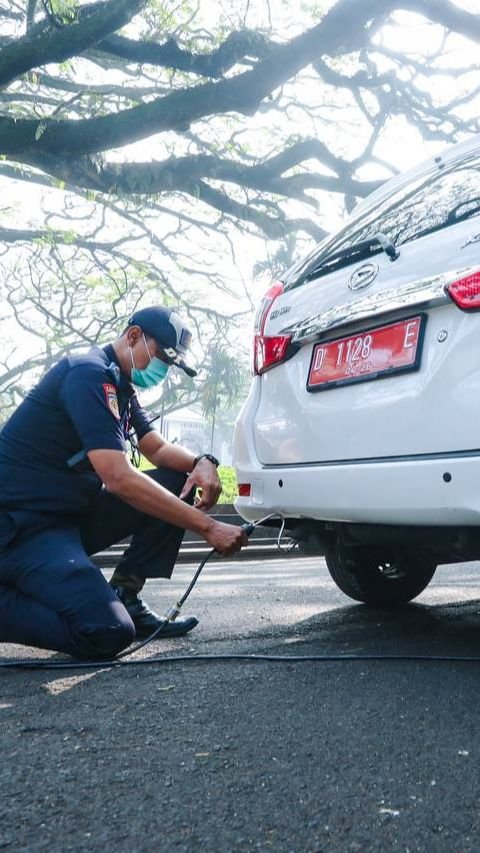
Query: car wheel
368,574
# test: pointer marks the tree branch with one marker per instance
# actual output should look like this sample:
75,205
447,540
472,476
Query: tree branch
236,47
274,228
46,44
53,237
176,173
31,8
10,14
344,28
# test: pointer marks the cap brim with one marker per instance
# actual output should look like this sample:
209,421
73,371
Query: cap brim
175,358
190,371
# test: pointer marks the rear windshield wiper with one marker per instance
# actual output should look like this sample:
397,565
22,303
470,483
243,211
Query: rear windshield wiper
378,242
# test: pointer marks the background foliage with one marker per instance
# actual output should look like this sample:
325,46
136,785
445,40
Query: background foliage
187,152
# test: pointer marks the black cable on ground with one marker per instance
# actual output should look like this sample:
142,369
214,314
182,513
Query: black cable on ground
176,610
119,660
243,658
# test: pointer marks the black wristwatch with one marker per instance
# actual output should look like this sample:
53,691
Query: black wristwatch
209,456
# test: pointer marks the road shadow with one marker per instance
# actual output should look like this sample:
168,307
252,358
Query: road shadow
441,629
451,629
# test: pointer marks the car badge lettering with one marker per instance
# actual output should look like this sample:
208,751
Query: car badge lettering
279,311
363,276
471,240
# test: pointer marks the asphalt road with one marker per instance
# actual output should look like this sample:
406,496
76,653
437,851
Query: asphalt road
240,756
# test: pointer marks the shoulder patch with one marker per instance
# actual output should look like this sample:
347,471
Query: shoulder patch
111,398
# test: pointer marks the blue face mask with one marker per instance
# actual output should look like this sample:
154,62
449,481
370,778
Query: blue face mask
154,373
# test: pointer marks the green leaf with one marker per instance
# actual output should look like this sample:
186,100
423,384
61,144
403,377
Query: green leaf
41,128
65,11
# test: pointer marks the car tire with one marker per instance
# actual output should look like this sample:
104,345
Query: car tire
367,574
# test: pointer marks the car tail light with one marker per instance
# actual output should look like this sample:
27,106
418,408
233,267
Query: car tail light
466,292
244,490
268,350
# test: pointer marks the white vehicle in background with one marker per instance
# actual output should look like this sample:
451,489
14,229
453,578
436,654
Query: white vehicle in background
362,425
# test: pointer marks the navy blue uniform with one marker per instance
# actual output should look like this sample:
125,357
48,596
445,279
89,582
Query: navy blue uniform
54,511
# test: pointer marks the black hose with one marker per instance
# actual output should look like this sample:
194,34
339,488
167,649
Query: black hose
160,628
33,663
119,660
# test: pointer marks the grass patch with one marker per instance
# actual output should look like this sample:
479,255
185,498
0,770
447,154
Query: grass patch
228,479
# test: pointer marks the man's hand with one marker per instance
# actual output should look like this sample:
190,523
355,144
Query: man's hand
204,476
141,492
227,539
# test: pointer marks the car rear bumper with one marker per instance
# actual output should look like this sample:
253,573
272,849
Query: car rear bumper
416,491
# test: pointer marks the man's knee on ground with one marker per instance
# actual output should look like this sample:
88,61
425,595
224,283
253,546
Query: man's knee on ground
105,641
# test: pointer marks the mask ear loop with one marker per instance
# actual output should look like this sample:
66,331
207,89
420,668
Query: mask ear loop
130,349
146,346
135,455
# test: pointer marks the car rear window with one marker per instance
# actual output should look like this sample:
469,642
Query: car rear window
426,204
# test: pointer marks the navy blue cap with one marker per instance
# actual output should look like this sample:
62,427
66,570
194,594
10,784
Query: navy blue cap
168,330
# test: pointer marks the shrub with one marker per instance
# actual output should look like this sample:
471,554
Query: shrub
228,480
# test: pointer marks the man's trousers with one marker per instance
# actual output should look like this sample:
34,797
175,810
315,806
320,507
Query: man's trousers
51,594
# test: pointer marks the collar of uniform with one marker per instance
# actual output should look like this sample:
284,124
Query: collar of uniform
125,385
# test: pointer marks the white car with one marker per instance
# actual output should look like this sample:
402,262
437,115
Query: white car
362,425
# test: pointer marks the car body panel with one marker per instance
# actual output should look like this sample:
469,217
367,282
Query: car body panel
373,451
412,491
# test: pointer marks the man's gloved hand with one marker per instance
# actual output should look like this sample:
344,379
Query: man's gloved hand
204,476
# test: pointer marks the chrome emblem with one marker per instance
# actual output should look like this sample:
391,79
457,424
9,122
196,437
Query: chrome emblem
363,276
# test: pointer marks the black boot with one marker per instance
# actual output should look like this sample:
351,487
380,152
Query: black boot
146,621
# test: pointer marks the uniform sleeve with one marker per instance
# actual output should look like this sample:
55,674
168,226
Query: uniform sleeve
90,399
140,420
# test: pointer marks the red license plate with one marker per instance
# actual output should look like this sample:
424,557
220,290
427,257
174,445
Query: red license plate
366,356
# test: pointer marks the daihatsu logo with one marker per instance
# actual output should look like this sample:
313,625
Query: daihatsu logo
363,276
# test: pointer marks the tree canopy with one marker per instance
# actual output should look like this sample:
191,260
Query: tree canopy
155,150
